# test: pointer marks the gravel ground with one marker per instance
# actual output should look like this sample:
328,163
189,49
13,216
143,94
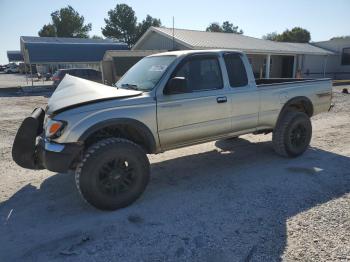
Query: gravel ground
229,200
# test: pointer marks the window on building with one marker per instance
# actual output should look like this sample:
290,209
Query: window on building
235,70
345,58
202,73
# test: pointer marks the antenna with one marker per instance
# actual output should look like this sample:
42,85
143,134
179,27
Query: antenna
173,33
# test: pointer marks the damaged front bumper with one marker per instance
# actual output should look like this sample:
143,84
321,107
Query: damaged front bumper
32,151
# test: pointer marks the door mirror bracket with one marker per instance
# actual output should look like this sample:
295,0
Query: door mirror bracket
176,85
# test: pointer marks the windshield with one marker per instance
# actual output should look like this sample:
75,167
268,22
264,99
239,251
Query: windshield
146,73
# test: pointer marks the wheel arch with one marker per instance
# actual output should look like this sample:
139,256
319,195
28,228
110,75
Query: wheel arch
299,104
128,128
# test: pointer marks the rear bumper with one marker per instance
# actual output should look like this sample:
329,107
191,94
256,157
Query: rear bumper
30,150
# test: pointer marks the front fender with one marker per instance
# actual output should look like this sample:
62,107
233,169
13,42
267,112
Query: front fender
81,124
135,124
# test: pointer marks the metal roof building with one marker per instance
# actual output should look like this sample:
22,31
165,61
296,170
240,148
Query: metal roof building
14,56
59,50
268,58
192,39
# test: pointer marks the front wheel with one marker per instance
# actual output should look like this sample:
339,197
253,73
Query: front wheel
114,172
292,134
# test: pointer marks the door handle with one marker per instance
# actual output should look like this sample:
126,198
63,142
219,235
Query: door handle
221,99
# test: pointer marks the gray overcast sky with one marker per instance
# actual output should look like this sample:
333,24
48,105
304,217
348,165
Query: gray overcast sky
324,19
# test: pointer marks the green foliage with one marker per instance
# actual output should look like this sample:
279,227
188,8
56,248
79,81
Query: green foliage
214,27
48,30
96,37
226,27
229,28
147,23
271,36
66,22
122,24
340,37
296,35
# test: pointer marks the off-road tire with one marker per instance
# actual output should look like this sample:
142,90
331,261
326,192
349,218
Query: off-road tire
99,190
287,132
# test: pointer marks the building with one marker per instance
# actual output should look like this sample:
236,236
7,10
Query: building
15,56
52,53
268,58
116,62
338,65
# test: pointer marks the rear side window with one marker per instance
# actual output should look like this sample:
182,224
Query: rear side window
202,73
235,70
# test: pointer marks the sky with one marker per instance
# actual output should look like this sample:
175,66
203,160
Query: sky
323,18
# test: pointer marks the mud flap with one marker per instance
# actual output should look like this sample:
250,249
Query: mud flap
24,146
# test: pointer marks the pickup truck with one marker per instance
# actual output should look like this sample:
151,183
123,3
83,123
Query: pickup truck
165,101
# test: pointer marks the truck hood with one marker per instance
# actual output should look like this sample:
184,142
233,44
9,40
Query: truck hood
75,91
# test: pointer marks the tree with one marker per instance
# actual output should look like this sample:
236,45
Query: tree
121,24
340,37
296,35
48,30
96,37
66,22
271,36
226,27
145,24
214,27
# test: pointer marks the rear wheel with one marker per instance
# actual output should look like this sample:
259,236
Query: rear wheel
113,173
292,134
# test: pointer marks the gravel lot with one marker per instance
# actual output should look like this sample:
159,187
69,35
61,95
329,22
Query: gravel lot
221,201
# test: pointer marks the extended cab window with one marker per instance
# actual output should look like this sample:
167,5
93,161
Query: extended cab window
235,70
201,73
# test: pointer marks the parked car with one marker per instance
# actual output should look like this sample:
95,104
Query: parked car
85,73
11,69
2,68
164,101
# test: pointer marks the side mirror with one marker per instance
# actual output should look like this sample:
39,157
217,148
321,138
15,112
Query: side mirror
176,85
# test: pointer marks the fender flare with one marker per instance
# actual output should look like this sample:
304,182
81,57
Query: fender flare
297,100
135,124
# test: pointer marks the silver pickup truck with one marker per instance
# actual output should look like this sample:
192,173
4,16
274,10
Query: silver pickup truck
165,101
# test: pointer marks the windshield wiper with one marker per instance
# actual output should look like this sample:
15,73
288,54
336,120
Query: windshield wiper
130,86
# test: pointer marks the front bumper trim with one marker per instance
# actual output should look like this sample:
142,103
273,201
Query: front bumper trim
53,147
57,157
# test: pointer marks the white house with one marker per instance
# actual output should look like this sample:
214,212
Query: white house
338,65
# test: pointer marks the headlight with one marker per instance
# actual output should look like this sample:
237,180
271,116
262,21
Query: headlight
54,128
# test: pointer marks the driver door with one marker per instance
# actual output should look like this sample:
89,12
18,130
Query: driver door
199,112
